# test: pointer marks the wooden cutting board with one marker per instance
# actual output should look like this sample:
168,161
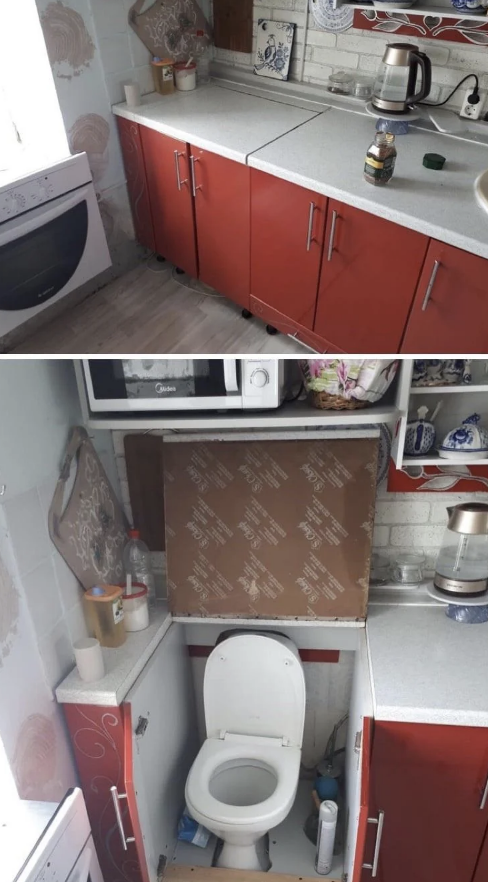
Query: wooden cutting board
233,24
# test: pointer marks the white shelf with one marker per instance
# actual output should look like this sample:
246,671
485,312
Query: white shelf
437,460
435,390
297,414
232,621
441,11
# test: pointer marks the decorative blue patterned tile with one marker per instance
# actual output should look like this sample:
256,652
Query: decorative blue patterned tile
273,50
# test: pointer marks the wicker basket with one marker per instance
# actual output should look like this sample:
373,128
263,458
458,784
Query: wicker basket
326,401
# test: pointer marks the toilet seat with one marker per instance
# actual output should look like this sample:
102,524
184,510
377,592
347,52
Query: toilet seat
284,762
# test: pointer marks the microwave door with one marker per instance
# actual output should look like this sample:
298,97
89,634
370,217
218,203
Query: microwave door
162,384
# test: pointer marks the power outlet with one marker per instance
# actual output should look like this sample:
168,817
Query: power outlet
470,111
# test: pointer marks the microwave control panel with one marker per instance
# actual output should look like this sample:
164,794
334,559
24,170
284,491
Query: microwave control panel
261,382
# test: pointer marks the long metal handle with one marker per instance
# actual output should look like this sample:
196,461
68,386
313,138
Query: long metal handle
193,160
115,799
310,226
179,182
484,798
332,235
430,286
379,833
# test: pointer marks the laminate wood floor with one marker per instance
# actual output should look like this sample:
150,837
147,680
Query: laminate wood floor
149,311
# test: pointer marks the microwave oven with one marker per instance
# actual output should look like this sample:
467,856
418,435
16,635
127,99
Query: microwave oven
135,385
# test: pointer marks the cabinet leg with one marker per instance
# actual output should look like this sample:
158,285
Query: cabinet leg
160,258
271,330
179,272
246,314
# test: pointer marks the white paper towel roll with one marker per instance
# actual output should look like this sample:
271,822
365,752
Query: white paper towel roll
132,94
89,659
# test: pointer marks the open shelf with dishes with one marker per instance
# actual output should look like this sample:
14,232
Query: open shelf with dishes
423,9
454,402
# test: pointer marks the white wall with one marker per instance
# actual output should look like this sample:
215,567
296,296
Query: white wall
41,612
360,51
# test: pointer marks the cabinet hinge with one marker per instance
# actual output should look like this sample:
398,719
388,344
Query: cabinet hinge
357,741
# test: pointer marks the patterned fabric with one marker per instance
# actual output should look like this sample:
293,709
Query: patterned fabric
169,27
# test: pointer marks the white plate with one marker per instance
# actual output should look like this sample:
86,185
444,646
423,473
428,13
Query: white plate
331,19
464,455
396,117
456,599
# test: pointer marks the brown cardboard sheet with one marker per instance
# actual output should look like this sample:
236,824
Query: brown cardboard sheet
270,529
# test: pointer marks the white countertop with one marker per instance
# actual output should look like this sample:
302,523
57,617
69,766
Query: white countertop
426,668
324,151
122,665
232,124
327,155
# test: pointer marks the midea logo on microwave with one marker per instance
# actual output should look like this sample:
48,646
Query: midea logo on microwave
161,389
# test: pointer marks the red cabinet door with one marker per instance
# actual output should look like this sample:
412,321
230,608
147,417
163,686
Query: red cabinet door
135,170
169,183
101,738
222,208
429,781
481,874
370,270
287,235
450,311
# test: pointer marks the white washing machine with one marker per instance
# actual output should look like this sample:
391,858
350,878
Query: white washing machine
64,851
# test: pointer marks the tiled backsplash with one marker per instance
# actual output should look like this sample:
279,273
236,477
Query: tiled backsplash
360,51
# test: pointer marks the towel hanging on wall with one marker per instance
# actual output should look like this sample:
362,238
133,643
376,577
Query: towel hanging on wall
168,27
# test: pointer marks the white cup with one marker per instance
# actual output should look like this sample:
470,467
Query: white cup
132,94
89,659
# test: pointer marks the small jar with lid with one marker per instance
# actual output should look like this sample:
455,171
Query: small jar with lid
380,159
163,75
105,613
340,83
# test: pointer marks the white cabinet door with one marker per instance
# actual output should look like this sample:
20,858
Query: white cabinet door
162,707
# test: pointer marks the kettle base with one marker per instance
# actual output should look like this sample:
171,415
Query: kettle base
460,587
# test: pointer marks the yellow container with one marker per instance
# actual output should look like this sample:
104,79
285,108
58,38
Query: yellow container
163,76
105,612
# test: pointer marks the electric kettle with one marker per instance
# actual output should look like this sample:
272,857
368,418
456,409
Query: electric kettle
462,565
395,89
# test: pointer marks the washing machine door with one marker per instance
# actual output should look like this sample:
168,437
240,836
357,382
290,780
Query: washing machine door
87,868
254,685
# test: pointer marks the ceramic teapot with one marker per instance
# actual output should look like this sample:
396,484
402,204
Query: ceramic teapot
468,441
420,436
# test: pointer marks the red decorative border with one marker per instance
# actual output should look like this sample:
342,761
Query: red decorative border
412,24
446,478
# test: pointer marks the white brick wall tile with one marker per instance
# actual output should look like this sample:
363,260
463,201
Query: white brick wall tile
417,537
295,17
356,42
381,536
321,38
316,73
413,512
335,57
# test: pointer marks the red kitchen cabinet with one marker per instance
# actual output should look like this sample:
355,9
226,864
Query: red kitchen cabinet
287,235
450,310
221,189
429,782
370,270
286,325
481,874
168,175
135,170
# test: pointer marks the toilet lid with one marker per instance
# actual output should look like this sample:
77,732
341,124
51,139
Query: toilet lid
254,685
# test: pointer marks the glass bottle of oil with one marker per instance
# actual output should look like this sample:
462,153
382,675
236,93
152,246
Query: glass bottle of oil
380,159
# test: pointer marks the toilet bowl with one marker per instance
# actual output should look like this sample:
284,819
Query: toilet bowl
244,780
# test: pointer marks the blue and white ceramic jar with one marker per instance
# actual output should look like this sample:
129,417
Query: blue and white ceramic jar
420,435
468,441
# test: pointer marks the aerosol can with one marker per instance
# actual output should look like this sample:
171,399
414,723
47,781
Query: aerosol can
326,836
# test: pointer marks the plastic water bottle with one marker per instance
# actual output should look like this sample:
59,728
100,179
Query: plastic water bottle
137,562
203,52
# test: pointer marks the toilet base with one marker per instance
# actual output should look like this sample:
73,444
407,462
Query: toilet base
245,857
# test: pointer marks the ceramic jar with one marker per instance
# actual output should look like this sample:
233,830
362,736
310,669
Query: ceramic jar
468,441
420,435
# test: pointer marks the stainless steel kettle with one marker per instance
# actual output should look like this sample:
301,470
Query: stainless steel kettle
462,565
395,89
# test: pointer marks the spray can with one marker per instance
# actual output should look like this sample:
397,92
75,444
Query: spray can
326,836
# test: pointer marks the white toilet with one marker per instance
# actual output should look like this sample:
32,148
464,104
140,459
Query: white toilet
245,777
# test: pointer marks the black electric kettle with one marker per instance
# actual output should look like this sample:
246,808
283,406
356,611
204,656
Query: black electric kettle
395,89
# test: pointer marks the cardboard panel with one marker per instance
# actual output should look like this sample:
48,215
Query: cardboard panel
270,528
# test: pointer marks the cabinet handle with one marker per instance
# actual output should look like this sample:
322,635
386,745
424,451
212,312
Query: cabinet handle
435,270
484,798
379,833
332,235
179,182
305,345
115,798
193,160
310,225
